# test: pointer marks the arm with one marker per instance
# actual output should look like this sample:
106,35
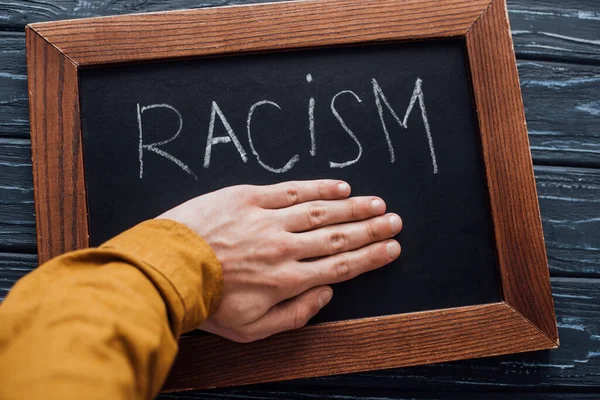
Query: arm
104,323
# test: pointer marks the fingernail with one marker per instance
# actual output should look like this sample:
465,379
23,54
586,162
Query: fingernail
324,297
395,223
344,188
393,249
377,206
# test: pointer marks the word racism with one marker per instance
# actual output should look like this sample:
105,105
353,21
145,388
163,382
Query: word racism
380,101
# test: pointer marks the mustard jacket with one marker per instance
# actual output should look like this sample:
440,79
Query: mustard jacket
103,323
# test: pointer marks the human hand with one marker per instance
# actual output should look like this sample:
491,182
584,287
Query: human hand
281,245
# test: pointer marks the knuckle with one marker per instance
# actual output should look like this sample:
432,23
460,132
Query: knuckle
275,252
372,256
371,233
337,242
317,215
283,282
353,209
341,269
242,311
292,194
246,194
301,317
284,248
238,308
273,283
321,189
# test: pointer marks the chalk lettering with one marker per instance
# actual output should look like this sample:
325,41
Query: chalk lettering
154,147
289,164
348,130
417,94
311,120
381,103
210,140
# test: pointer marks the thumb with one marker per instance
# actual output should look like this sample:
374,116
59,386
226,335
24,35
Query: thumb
291,314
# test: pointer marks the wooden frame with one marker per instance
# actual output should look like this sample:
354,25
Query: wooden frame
523,321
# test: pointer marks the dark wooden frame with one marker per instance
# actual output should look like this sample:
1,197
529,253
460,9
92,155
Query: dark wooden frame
523,321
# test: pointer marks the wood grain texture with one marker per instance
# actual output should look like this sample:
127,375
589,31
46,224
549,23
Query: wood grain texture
575,364
562,105
17,218
356,345
513,197
275,26
13,266
562,30
14,120
22,12
60,202
570,207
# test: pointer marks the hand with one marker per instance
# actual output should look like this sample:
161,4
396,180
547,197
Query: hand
281,245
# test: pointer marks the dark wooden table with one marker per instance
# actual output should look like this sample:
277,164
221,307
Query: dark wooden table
558,51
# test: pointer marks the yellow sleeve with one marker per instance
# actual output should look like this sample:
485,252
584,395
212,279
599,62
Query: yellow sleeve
103,323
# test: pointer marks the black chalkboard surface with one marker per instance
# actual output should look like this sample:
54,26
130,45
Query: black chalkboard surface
393,120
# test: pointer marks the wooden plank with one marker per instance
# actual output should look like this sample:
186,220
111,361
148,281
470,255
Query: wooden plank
17,218
556,29
570,204
551,28
568,200
562,105
13,266
23,12
14,117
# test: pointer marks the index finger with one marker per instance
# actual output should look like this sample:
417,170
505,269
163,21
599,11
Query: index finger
287,194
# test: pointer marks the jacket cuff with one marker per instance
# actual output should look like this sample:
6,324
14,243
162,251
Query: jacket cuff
181,265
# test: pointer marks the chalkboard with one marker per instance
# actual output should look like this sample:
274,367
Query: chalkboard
416,102
393,120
